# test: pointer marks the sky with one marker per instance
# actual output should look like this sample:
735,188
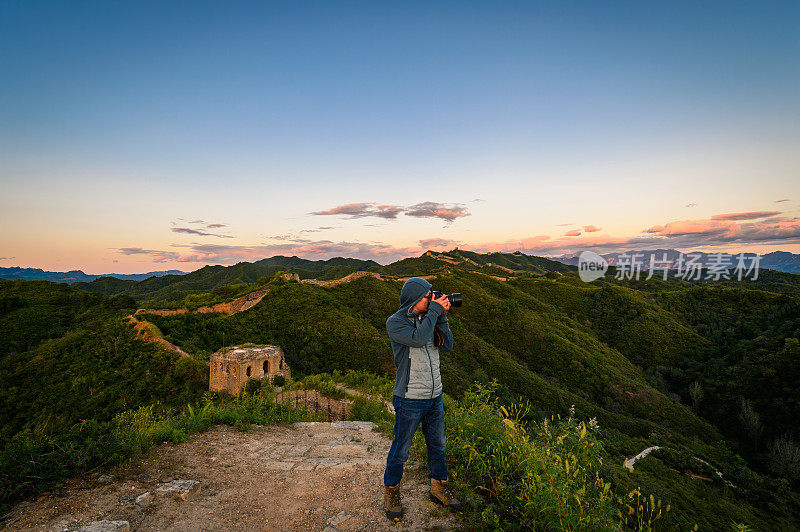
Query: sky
141,136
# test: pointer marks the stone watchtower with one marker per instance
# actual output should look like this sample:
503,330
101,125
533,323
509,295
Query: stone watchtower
232,367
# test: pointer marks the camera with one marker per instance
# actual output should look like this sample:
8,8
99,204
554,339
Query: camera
454,299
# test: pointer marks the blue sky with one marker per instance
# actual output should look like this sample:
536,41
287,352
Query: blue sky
123,121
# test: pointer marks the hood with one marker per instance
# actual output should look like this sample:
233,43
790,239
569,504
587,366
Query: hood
414,289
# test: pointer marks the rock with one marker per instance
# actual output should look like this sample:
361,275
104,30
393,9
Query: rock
180,489
67,522
278,465
106,526
353,425
105,479
144,500
339,518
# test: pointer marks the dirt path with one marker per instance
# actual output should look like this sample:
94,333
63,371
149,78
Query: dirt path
147,332
310,476
239,304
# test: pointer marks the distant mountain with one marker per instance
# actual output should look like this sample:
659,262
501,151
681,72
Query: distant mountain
230,281
781,261
75,276
499,264
212,284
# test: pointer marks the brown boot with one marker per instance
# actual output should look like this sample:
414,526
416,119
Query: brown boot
442,493
391,502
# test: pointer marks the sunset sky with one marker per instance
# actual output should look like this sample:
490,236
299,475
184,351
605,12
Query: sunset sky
138,136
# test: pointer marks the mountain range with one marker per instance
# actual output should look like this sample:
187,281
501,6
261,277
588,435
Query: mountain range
781,261
75,276
707,371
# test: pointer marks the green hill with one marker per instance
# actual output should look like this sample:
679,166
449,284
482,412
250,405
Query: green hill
231,281
632,354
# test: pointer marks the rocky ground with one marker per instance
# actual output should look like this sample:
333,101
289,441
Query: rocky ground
310,476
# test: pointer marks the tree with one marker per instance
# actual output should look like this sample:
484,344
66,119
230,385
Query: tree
784,456
696,393
751,422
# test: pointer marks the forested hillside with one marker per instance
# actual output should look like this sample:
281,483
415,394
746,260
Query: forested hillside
708,371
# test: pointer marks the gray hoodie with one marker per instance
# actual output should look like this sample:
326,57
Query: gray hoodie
412,336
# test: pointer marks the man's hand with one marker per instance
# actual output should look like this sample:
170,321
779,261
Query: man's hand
443,301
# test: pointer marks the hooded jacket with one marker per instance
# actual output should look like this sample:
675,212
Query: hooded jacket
415,355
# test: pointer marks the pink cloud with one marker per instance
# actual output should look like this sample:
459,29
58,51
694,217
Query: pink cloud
437,244
744,215
688,227
431,209
721,231
360,210
426,209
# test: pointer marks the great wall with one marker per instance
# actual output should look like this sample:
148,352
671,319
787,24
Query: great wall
146,331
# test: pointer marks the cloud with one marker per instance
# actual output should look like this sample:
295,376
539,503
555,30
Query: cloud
438,243
317,230
427,209
696,234
158,256
7,258
361,210
745,215
314,249
720,232
727,229
431,209
564,225
216,226
478,200
781,200
688,227
543,245
190,231
690,205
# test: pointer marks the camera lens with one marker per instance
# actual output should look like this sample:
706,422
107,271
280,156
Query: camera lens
455,299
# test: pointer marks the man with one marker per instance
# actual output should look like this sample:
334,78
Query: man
417,331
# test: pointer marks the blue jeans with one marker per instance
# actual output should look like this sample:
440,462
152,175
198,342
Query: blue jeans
408,414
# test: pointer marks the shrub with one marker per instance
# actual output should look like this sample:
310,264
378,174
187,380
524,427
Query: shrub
279,380
368,409
537,476
252,386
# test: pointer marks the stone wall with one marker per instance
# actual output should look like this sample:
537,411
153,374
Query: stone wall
315,402
232,367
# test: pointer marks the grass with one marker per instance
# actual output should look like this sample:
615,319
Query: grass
518,475
34,462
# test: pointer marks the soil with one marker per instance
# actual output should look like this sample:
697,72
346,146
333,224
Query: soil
308,476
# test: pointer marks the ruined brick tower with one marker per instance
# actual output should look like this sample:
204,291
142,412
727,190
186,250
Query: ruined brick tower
232,367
